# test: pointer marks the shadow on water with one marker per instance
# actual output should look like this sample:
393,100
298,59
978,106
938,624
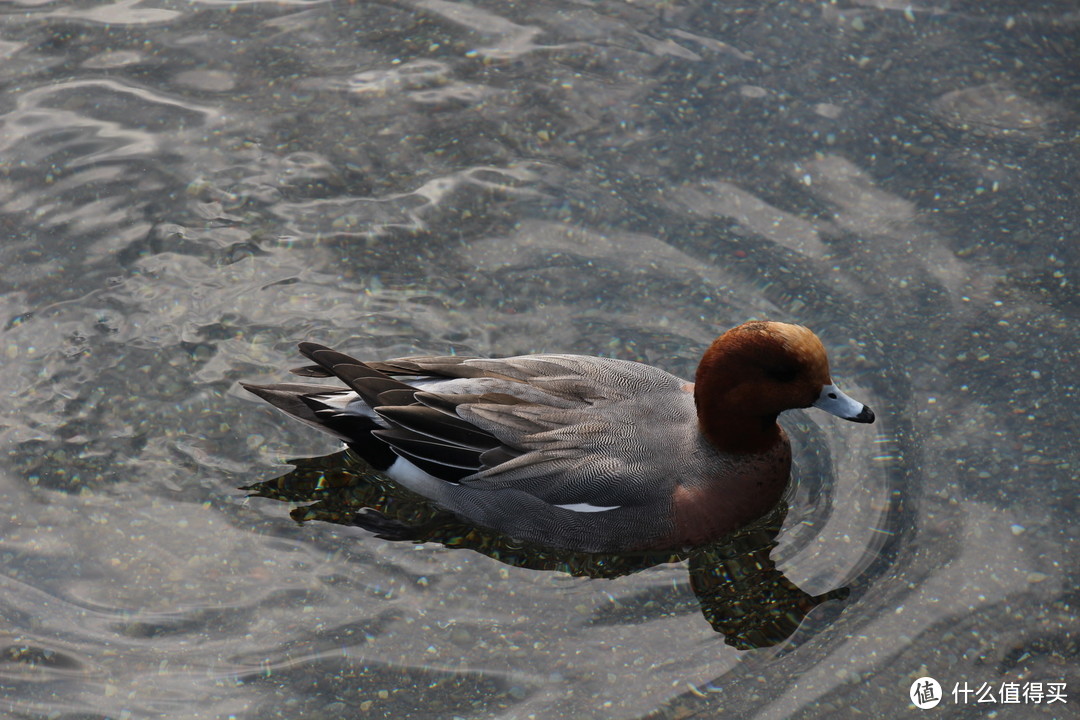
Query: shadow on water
741,592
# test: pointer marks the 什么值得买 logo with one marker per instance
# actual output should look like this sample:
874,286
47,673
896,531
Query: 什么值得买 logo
926,693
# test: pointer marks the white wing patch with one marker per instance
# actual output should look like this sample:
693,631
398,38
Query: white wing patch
586,507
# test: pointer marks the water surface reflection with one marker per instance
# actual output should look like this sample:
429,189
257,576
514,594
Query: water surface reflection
742,594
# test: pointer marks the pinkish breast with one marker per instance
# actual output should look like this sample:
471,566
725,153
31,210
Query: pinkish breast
706,511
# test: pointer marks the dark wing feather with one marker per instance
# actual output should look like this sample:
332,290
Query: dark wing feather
396,396
313,371
449,366
287,398
449,429
426,448
366,381
428,431
306,403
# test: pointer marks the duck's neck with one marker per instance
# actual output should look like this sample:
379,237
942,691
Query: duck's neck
738,433
729,414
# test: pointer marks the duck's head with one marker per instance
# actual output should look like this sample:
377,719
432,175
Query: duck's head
755,371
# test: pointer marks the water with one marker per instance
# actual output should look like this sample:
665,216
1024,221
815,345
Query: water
187,189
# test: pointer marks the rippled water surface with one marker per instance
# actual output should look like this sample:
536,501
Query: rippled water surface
189,188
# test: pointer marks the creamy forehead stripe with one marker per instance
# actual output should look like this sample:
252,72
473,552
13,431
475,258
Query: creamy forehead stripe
799,338
802,343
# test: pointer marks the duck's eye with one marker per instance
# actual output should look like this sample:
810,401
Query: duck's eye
782,373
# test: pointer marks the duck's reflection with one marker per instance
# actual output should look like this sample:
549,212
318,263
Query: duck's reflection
742,594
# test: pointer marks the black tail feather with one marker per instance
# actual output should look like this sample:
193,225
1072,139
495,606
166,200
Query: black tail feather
422,427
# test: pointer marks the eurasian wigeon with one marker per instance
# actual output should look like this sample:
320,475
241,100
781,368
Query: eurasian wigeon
586,453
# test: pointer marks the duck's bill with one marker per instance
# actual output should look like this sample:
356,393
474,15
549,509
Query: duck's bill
831,400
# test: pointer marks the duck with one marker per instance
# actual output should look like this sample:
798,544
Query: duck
591,454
